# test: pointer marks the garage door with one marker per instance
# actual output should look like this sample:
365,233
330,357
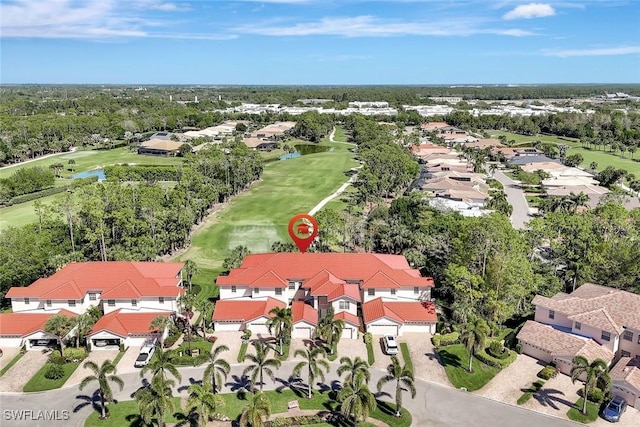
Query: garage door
383,329
227,326
626,394
258,328
302,332
349,333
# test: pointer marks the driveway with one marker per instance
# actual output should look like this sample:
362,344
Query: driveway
20,373
555,397
352,349
96,356
231,339
507,386
424,358
128,360
7,356
382,360
515,196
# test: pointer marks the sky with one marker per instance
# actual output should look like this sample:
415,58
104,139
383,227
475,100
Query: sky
319,42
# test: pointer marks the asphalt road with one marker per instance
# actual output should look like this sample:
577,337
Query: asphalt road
434,405
515,196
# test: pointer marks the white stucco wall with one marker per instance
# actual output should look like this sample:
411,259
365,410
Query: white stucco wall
632,346
241,292
426,328
302,330
542,316
404,293
353,306
224,326
383,327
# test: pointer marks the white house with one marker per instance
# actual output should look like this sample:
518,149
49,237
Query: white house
127,328
18,329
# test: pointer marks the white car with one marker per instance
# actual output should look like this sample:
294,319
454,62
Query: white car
390,344
146,353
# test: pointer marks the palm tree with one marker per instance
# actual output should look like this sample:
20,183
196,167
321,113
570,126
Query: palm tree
83,325
205,307
160,365
102,374
190,270
403,378
160,323
473,336
357,371
330,329
60,326
260,364
314,362
356,401
203,402
217,368
282,323
155,401
255,412
72,164
596,371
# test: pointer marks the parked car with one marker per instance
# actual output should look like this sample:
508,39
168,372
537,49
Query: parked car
614,409
100,343
390,344
146,353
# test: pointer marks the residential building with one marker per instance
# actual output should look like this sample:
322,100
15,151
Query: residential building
160,147
128,329
312,284
18,329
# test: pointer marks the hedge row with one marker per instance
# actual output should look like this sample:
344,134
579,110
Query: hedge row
142,173
446,339
36,195
495,362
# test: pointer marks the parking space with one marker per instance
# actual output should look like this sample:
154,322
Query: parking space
98,357
424,358
352,348
231,339
7,356
20,373
631,418
555,397
128,359
509,384
382,359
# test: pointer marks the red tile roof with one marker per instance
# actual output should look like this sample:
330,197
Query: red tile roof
348,318
114,279
326,284
125,324
399,312
269,280
245,310
303,312
343,266
22,324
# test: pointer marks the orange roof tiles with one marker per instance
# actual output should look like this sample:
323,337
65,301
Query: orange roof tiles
269,280
22,324
245,310
301,312
344,266
347,317
399,311
125,324
115,279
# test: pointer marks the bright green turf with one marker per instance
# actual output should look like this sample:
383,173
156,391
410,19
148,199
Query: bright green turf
259,217
339,136
602,157
92,159
22,214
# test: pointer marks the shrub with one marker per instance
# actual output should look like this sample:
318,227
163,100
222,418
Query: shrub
54,372
242,351
519,348
189,360
121,346
171,340
596,395
495,362
548,372
497,350
88,346
56,358
446,339
37,195
212,339
368,338
74,354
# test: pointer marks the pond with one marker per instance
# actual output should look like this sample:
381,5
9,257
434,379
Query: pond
304,149
88,174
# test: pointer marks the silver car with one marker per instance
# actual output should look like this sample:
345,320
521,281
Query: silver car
390,344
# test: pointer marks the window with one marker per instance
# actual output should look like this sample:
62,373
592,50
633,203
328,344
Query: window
92,296
233,289
343,305
627,336
48,303
606,336
134,302
161,300
416,290
27,301
72,303
278,291
578,326
292,285
625,353
552,314
393,291
111,302
256,290
371,292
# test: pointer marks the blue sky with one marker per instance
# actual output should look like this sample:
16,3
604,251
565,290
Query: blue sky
319,42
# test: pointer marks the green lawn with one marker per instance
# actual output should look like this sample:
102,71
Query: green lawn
39,383
456,362
124,413
259,217
22,214
575,413
118,357
11,363
404,348
602,157
340,135
92,159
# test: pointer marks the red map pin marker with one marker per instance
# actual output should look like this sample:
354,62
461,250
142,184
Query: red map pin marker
303,229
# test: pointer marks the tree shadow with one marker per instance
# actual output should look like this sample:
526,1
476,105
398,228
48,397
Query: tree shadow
448,359
240,384
189,419
380,394
385,408
550,397
192,381
145,384
295,384
135,420
93,401
432,356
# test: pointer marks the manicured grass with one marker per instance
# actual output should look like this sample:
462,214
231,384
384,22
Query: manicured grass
242,351
39,383
455,359
11,363
23,213
202,345
575,413
285,352
340,135
124,414
205,281
404,348
259,217
371,358
93,159
119,356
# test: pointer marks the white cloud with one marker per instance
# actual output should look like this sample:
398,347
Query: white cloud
531,10
370,26
606,51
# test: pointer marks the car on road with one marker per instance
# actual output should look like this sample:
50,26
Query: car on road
614,409
146,353
390,344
